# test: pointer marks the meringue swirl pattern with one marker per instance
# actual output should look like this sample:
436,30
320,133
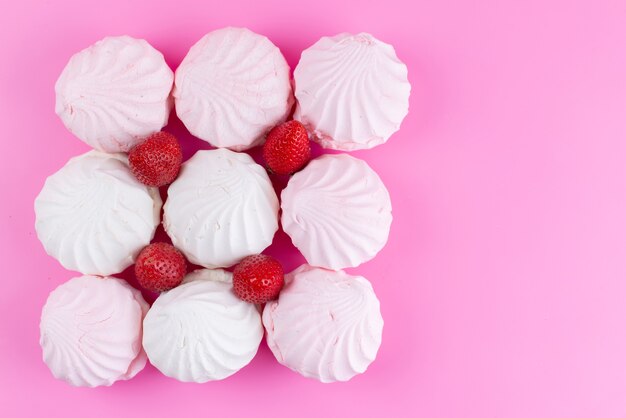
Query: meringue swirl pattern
93,216
337,212
352,91
232,87
200,331
325,325
115,93
221,208
91,331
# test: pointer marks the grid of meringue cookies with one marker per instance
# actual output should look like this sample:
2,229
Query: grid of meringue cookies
97,215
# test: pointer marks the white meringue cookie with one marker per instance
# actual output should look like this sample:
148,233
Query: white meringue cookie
213,275
115,93
93,216
337,212
200,331
352,91
91,331
232,87
325,324
221,208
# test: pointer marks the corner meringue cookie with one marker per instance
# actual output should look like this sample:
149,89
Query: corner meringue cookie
93,216
352,91
114,93
91,330
221,208
325,325
337,212
232,87
200,331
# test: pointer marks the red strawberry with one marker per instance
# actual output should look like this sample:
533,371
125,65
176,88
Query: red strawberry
258,278
160,267
287,148
156,161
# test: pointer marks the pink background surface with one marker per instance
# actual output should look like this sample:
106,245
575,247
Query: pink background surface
503,285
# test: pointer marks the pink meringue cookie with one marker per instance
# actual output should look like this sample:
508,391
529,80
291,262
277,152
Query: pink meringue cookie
91,331
114,93
352,91
232,87
337,212
325,325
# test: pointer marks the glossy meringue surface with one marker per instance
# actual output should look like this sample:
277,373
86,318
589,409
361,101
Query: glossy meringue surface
337,211
221,208
200,331
352,91
91,331
114,93
232,87
325,325
93,216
